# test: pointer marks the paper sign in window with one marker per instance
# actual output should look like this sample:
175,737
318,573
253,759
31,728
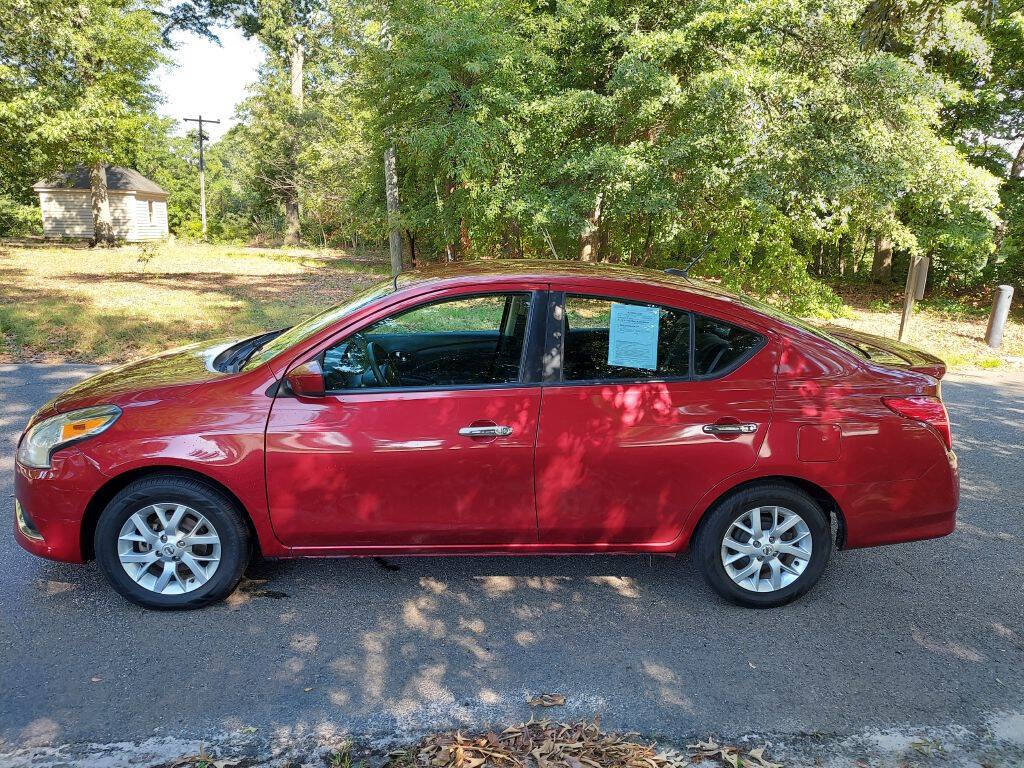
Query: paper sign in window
633,337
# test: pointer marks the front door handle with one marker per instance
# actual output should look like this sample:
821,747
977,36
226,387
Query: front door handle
494,430
730,429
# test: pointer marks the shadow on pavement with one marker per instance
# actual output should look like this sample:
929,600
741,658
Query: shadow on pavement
913,635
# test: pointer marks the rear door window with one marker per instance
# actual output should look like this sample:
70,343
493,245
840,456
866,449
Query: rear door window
611,339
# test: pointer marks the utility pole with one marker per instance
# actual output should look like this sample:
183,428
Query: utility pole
202,167
391,177
391,190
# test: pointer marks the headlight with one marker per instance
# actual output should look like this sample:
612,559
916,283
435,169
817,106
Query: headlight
63,430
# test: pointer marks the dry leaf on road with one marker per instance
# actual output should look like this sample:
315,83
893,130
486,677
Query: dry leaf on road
548,700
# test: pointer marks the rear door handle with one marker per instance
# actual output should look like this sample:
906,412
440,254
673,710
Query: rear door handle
497,430
730,429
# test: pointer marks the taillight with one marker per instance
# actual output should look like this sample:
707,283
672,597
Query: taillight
927,410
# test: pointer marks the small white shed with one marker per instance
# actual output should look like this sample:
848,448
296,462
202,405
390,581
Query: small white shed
138,206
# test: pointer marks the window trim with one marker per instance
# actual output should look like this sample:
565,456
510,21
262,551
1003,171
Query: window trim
523,378
555,337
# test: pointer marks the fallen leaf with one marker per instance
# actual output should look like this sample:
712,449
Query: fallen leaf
548,700
53,587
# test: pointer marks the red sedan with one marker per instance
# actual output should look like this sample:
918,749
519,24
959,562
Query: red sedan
497,408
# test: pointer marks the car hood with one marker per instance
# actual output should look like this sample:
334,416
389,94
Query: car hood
174,372
889,352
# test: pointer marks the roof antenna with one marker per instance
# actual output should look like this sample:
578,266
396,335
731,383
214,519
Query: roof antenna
685,271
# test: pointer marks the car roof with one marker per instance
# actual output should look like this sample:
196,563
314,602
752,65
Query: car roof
487,270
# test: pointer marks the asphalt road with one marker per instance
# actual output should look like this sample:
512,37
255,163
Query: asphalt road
922,635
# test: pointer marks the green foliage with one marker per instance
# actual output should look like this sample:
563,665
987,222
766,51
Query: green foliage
74,87
18,219
1010,270
772,134
774,139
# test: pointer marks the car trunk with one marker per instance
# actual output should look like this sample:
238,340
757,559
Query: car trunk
889,352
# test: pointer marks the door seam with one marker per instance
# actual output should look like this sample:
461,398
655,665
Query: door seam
536,441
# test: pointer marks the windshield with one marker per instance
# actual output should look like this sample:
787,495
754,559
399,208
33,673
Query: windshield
304,330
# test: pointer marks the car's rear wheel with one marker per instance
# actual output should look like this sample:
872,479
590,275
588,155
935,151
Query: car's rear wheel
172,542
765,545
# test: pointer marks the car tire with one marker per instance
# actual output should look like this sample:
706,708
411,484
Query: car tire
204,558
733,518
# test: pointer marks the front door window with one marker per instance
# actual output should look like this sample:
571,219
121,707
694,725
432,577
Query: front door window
459,342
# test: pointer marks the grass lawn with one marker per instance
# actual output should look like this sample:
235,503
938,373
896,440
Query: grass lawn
60,303
952,329
69,303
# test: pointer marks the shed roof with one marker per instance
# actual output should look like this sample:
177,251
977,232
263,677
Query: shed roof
118,178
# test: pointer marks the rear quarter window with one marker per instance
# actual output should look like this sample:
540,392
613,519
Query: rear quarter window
719,347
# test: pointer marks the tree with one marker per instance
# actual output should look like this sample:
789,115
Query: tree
289,31
776,135
76,87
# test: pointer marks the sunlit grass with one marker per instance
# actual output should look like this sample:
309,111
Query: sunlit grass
957,338
110,305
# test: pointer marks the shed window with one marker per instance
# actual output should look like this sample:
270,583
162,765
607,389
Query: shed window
150,206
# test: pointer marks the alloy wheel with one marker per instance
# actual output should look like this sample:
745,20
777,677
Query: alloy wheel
169,548
766,548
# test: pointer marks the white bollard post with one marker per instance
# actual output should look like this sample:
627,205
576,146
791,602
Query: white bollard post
997,320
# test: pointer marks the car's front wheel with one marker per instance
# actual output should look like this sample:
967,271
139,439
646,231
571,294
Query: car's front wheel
765,545
172,542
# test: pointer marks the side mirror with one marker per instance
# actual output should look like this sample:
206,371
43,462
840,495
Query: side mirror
306,380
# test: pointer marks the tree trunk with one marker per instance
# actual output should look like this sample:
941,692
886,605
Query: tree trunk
881,265
604,253
1016,172
511,240
1017,167
648,244
590,240
102,224
391,193
465,244
291,218
451,248
413,259
291,202
861,260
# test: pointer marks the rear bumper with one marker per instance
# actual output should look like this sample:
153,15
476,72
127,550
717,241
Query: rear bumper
55,501
906,510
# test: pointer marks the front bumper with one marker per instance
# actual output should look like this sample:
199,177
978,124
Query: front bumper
55,501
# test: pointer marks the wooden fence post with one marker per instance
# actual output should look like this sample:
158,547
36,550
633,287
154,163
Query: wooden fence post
911,291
